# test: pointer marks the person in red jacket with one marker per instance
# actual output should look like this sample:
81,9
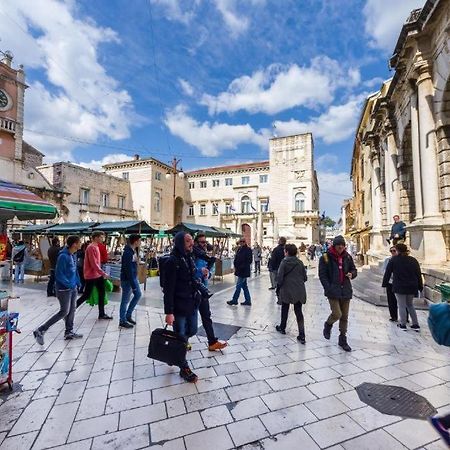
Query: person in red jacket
103,253
94,274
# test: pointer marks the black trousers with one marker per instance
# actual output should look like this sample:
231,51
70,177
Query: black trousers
298,314
51,284
257,266
205,314
445,420
99,283
392,303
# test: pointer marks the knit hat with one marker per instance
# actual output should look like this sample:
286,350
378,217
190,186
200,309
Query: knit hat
338,240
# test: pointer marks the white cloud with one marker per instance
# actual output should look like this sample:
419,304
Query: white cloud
212,138
278,88
174,11
334,188
336,124
384,20
78,98
326,161
111,158
236,23
186,87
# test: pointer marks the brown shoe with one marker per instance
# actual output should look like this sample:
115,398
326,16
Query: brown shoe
217,346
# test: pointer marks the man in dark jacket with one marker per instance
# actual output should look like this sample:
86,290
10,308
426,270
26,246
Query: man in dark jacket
204,264
336,269
52,253
66,280
181,296
242,268
275,260
398,231
129,281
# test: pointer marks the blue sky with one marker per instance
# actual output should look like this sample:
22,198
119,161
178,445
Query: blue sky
204,80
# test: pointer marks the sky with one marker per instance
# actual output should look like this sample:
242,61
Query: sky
207,81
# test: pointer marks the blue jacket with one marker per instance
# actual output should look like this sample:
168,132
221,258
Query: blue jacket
66,273
128,271
202,260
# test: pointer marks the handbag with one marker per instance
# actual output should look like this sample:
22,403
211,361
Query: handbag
167,346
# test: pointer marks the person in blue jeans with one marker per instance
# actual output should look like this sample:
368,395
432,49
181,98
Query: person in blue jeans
19,256
66,282
242,269
181,294
129,282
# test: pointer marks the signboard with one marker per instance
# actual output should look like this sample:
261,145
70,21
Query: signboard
3,245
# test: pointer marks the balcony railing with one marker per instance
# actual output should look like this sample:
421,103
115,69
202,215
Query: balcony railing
308,213
7,125
250,213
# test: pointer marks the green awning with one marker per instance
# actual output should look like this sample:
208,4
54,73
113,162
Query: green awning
72,228
194,228
16,201
126,227
226,232
34,229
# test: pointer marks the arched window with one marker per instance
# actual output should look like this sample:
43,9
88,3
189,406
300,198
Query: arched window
299,202
157,205
245,204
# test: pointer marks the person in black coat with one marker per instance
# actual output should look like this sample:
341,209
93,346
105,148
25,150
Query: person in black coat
336,269
274,262
242,268
406,284
181,295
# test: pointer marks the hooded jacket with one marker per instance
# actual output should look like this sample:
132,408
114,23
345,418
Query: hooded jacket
180,283
129,267
335,284
242,261
202,260
66,273
276,258
291,279
407,275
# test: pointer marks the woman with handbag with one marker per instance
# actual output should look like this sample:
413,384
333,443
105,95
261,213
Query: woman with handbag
291,289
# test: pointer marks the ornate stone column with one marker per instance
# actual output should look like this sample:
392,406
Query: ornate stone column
394,186
427,140
376,192
415,146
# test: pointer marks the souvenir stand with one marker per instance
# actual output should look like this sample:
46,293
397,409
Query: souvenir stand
117,232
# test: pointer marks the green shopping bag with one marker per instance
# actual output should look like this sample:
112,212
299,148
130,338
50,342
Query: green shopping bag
93,298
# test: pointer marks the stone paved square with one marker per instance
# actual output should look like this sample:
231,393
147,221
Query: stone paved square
264,391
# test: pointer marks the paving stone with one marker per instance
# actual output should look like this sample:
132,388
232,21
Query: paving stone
8,418
442,372
266,372
62,366
143,415
20,442
79,373
97,426
171,392
93,402
46,361
250,407
297,438
72,392
363,377
346,368
334,430
211,384
206,400
351,399
275,360
326,407
425,380
122,370
370,419
170,379
176,444
51,385
390,373
249,364
175,407
130,401
294,367
226,369
216,416
248,390
102,378
131,439
33,416
120,387
287,418
438,395
413,367
203,440
176,427
412,433
287,398
326,373
104,361
289,381
57,426
246,431
241,377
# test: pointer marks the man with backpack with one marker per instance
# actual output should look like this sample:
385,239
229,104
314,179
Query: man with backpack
274,262
242,268
52,254
66,281
181,295
19,255
336,270
204,264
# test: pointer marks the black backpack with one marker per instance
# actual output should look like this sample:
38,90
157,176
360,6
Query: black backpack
19,256
162,261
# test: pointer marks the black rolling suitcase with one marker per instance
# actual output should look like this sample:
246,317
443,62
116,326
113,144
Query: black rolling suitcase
167,346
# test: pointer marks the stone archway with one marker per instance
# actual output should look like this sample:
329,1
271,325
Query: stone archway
247,233
178,215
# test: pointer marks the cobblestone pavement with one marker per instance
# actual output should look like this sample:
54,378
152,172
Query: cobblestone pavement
264,391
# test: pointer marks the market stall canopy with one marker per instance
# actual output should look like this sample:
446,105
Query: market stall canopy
126,227
34,229
226,232
16,201
72,228
193,228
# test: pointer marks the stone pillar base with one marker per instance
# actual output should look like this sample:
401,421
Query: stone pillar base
427,242
376,241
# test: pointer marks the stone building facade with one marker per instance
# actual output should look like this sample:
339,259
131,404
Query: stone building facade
90,196
401,160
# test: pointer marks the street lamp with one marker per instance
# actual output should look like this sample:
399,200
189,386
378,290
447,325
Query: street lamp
175,171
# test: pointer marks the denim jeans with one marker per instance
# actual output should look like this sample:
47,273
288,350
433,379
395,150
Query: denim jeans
186,326
242,284
19,272
51,284
127,307
67,305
